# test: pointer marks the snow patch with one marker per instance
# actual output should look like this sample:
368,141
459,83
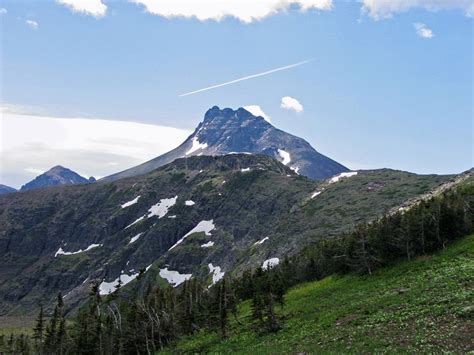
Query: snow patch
131,202
261,241
106,288
189,203
160,209
203,226
316,194
285,156
342,176
208,244
245,170
268,264
135,238
174,278
217,274
296,169
196,146
62,252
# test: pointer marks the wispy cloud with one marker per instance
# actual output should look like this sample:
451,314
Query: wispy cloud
3,11
32,24
423,31
271,71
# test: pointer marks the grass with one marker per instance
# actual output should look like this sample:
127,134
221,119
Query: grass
425,305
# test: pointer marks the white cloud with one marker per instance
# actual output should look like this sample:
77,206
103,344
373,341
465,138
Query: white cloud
257,111
33,144
380,9
423,31
3,11
290,103
244,10
32,24
89,7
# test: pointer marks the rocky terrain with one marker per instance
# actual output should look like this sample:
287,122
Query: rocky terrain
230,131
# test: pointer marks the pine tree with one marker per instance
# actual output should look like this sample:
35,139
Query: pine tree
38,332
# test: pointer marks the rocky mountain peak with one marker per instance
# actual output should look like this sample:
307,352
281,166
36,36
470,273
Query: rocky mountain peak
57,175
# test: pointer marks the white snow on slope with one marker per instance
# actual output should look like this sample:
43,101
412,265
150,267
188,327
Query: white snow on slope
316,194
160,209
268,264
341,176
208,244
189,203
203,226
62,252
135,238
245,170
285,156
196,146
217,274
106,288
261,241
296,169
131,202
174,278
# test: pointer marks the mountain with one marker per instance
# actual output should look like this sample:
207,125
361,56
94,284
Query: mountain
199,217
4,189
238,131
57,175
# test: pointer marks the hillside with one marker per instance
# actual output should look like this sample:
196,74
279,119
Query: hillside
425,305
55,176
199,217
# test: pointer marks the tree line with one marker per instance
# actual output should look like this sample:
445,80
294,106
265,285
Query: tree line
148,322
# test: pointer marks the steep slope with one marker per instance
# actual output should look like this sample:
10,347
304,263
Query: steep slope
4,189
196,217
228,131
422,306
55,176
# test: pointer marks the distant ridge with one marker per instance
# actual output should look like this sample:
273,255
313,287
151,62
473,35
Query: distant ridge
57,175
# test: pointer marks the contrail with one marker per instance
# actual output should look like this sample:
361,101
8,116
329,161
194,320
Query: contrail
247,77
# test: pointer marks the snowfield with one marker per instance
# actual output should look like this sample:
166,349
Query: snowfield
135,238
217,274
106,288
342,176
196,146
261,241
62,252
208,244
160,209
268,264
131,202
203,226
285,156
174,278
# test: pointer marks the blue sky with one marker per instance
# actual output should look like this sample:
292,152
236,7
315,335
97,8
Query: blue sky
376,93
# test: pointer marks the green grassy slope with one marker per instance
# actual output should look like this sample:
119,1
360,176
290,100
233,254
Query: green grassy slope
424,305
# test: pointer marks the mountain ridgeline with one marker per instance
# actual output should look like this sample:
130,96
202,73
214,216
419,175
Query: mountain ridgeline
230,131
199,217
56,176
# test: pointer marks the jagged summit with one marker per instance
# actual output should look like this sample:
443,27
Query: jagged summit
57,175
226,131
